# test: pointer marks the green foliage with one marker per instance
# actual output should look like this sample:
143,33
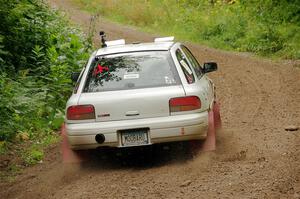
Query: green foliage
34,153
38,52
265,27
3,147
33,156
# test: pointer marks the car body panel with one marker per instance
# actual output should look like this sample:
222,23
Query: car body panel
174,128
132,104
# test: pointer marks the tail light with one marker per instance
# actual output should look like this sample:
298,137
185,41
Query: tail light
184,104
81,112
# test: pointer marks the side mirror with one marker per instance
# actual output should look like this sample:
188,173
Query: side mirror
75,76
210,67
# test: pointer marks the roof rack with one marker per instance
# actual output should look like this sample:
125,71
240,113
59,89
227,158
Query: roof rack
164,39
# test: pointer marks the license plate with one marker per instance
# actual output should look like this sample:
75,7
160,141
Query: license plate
134,137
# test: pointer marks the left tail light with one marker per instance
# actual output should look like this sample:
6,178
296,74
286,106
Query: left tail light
81,112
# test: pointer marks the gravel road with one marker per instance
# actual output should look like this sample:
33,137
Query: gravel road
255,157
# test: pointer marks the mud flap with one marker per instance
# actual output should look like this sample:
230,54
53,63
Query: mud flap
214,124
68,155
217,116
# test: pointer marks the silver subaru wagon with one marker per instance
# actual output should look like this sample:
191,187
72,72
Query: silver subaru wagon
139,94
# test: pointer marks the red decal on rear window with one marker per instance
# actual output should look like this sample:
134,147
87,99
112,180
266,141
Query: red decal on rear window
100,69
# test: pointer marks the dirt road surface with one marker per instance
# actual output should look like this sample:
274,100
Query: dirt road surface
255,156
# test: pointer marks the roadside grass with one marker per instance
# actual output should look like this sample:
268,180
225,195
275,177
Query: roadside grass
23,152
265,28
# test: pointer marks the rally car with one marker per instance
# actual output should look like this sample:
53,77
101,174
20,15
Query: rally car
140,94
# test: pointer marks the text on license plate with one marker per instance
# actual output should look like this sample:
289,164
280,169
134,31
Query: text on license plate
134,137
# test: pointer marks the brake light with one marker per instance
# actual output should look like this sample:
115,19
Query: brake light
81,112
184,104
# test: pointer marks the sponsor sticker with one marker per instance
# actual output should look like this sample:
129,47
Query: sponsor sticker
131,76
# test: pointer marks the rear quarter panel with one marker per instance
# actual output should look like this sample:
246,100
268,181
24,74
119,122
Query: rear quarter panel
201,87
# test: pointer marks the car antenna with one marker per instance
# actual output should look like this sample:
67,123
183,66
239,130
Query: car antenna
102,36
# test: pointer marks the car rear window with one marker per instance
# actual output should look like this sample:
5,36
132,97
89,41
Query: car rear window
131,71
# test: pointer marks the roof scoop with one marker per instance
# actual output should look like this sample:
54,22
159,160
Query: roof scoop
115,42
164,39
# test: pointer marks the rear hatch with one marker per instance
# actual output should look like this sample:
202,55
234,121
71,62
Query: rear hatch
131,85
132,104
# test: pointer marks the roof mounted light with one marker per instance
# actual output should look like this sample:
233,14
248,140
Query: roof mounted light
103,40
105,43
164,39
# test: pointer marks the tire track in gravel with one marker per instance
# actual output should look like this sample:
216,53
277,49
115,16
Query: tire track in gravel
255,157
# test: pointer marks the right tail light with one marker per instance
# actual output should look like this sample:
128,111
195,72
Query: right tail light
188,103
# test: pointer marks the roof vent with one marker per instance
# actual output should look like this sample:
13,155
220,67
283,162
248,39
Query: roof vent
164,39
115,42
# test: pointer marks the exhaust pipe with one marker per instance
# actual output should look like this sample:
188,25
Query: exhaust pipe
100,138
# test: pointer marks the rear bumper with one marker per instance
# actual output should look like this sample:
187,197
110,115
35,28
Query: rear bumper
162,129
